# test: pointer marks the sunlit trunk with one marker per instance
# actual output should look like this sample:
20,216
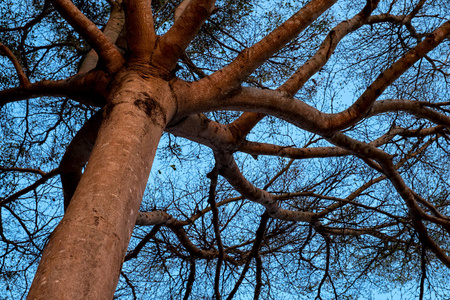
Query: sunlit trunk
84,255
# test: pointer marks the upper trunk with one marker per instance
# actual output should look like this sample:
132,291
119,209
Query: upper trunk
85,252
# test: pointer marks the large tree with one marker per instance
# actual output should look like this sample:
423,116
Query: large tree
303,148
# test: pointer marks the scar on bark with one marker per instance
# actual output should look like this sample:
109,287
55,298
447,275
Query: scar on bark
151,107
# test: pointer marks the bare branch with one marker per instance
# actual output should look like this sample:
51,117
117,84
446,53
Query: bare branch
215,221
141,36
315,63
260,232
229,78
229,169
23,170
361,107
105,49
135,252
23,79
77,155
186,26
191,279
40,181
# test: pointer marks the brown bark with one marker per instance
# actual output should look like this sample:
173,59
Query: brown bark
84,255
106,50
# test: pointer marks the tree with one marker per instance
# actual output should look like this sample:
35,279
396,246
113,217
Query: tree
362,200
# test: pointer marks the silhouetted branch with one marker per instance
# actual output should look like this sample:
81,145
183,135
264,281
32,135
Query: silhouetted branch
191,279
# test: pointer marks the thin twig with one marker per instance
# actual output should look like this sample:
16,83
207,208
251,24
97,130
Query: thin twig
212,202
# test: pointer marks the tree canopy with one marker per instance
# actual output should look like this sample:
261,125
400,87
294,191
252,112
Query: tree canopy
228,149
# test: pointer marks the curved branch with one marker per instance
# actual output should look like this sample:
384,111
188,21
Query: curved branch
282,105
105,49
89,89
200,129
358,110
230,171
315,63
112,31
77,155
248,120
141,36
23,79
187,23
230,77
416,108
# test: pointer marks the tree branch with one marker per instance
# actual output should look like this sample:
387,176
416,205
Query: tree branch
215,221
141,36
358,110
260,232
42,180
135,252
230,77
230,171
326,49
105,49
172,45
112,31
191,280
89,89
23,79
77,155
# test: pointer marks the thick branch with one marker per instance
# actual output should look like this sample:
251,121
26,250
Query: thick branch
416,108
304,116
88,89
315,63
77,155
172,45
105,49
141,36
229,78
112,31
361,107
200,129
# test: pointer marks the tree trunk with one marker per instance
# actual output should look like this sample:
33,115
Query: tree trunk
85,253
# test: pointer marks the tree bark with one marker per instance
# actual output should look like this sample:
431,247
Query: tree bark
85,253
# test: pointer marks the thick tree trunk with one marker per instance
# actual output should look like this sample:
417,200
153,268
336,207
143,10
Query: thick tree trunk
85,252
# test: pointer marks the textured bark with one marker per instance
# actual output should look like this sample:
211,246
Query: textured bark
84,255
